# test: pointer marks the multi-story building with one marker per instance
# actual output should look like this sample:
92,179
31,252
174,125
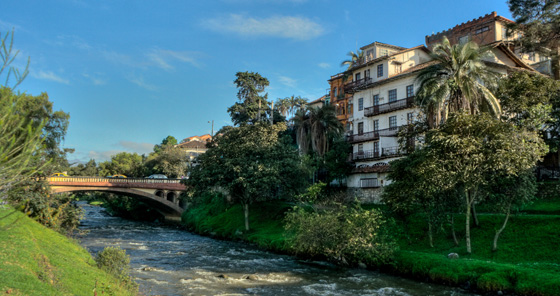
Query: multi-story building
490,29
341,99
194,146
382,92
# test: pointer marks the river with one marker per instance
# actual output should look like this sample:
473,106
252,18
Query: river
169,261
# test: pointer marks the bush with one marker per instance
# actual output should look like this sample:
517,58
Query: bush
340,234
116,262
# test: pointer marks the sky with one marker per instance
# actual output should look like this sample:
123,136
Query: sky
132,72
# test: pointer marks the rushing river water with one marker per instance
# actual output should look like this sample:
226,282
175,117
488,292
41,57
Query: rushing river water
170,261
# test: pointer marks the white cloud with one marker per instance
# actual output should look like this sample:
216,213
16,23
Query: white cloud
290,27
162,58
49,76
287,81
140,148
324,65
95,79
101,156
139,80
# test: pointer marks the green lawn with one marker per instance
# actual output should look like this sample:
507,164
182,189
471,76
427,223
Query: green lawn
35,260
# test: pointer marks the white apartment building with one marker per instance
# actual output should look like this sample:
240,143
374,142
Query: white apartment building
383,90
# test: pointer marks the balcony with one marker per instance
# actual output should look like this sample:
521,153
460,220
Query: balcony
387,152
353,86
369,136
389,107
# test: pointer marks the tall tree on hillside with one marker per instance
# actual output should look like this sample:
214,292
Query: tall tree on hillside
539,22
458,80
317,128
252,163
354,59
252,106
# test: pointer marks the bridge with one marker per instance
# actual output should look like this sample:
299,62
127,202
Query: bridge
162,194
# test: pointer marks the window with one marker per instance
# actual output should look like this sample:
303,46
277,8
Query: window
360,128
392,95
358,76
369,54
398,68
361,148
369,183
335,92
504,33
410,117
366,73
410,91
480,30
376,148
379,70
464,39
360,104
383,52
376,125
393,122
375,100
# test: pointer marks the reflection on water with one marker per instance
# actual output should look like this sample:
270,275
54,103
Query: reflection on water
170,261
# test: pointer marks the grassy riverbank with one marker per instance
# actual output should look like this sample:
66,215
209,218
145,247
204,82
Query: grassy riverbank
527,262
38,261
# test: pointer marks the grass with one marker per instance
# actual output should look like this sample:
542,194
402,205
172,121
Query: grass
527,261
38,261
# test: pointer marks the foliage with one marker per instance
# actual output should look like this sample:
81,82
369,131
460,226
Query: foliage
128,164
55,211
336,161
7,56
355,58
458,80
317,128
169,160
539,23
340,234
290,105
169,141
88,169
313,193
116,262
251,163
252,107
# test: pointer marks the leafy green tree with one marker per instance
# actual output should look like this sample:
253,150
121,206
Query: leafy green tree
128,164
252,106
168,141
539,22
171,161
468,149
458,81
317,128
88,169
251,163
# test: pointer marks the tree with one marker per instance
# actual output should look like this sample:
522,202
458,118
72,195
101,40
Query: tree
168,141
251,163
129,164
171,161
317,128
88,169
468,149
355,59
458,81
252,106
539,23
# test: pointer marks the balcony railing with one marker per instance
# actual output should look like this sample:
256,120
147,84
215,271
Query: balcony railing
353,86
389,107
374,135
387,152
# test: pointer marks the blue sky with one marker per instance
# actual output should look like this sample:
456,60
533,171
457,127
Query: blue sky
130,73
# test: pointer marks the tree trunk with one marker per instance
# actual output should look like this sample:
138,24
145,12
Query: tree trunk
246,211
453,230
499,231
468,222
474,216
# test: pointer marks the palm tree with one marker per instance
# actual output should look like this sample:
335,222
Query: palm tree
355,59
316,128
459,80
283,106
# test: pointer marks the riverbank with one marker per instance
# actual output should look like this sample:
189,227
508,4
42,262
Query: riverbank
39,261
525,264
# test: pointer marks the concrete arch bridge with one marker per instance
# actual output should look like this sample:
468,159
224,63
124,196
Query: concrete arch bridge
162,194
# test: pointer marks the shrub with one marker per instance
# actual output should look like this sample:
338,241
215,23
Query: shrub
340,234
116,262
